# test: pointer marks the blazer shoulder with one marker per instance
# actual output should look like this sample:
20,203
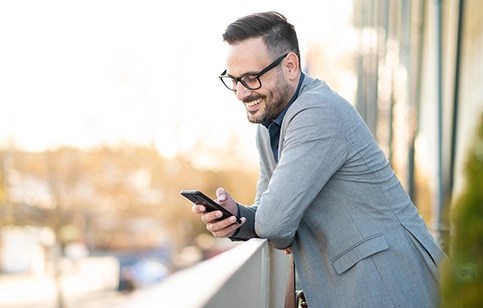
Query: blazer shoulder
315,93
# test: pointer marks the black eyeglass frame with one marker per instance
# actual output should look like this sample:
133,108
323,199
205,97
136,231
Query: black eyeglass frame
257,75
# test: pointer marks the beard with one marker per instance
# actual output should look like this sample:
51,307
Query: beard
273,103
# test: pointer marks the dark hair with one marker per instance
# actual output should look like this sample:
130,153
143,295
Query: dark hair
278,34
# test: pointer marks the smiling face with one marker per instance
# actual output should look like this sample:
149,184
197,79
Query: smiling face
278,84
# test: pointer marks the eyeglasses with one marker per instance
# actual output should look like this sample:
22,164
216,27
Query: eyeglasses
249,81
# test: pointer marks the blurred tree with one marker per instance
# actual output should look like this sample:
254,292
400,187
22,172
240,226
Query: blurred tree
3,203
95,196
2,180
462,273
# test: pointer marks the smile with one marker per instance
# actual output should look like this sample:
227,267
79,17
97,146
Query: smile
254,103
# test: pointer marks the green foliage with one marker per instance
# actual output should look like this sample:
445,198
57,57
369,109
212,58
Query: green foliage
462,274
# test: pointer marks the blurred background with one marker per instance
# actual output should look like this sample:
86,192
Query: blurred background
109,108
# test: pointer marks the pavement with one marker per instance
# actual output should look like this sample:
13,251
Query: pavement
91,283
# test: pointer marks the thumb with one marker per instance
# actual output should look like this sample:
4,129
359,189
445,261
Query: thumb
221,194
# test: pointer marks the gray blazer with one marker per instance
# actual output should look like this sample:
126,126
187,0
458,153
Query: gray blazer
356,237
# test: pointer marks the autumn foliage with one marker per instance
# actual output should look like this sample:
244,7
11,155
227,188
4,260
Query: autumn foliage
123,197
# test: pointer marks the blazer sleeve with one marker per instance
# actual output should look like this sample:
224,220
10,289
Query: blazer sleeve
266,165
313,148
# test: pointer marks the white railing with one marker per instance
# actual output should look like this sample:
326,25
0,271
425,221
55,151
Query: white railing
251,274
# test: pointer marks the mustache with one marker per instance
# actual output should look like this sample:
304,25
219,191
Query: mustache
252,98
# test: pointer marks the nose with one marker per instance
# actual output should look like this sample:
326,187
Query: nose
241,91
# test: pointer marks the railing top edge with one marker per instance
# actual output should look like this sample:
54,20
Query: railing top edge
197,284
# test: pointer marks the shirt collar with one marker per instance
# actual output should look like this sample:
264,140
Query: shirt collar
279,118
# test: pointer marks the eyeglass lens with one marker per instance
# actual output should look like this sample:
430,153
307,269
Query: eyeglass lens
249,81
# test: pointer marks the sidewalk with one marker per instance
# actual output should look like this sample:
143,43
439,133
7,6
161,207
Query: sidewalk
30,291
91,281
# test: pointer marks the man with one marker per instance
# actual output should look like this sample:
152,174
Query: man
326,192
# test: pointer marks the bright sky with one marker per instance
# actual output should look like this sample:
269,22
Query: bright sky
82,73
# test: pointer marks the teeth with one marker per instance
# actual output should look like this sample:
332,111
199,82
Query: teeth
255,102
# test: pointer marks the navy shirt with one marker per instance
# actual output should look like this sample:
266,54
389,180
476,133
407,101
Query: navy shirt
274,125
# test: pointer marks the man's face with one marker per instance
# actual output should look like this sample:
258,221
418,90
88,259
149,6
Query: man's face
265,103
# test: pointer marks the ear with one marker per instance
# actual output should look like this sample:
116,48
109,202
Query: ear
292,66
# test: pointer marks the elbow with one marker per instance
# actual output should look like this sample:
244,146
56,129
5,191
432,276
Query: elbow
277,236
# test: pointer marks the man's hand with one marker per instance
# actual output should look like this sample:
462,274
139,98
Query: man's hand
222,228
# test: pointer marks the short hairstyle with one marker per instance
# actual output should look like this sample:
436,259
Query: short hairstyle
277,33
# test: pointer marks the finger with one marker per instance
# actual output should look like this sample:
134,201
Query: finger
210,217
198,208
221,194
226,227
225,232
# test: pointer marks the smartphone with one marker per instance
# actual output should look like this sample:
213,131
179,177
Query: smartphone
198,197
